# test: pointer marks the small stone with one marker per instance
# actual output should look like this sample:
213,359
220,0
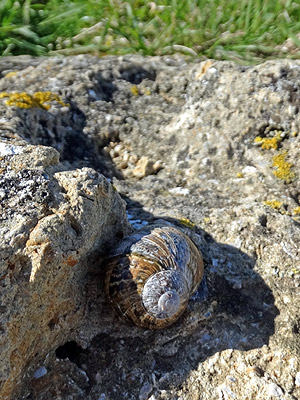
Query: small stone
123,164
127,173
145,391
249,169
9,149
98,377
274,390
297,379
40,372
143,168
157,166
126,156
112,153
180,191
118,148
255,371
133,159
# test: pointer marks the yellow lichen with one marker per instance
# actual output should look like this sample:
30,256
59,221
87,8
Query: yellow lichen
295,271
187,222
239,175
283,168
296,211
294,134
268,143
206,220
134,90
11,74
26,100
273,203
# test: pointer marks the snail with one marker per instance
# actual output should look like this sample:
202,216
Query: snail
151,275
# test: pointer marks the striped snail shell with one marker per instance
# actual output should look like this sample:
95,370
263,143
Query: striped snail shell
151,275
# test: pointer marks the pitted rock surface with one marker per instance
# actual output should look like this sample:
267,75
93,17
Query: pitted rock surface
54,224
211,147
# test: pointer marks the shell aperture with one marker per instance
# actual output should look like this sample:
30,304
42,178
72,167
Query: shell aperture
151,282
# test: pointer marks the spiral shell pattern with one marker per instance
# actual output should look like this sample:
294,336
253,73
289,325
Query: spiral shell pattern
151,275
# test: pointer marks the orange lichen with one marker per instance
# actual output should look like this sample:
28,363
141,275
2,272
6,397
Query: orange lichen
283,168
26,100
71,261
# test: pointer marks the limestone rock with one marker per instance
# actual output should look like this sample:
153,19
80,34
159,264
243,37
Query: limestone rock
53,225
226,139
143,168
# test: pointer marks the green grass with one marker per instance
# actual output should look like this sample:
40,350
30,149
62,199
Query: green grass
245,31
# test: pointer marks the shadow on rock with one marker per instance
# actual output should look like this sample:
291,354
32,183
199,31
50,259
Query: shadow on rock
63,129
233,309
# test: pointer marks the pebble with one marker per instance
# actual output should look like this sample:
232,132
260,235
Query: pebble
145,391
157,166
133,159
143,168
180,190
274,390
40,372
118,148
126,156
297,379
9,150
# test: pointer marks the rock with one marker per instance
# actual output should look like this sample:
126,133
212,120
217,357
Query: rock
53,225
144,167
224,141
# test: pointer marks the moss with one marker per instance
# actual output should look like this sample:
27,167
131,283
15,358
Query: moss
273,204
283,168
26,100
187,222
270,142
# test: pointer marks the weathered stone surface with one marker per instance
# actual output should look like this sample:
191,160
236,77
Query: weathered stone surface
53,225
226,140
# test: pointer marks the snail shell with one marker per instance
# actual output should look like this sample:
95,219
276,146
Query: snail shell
151,275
